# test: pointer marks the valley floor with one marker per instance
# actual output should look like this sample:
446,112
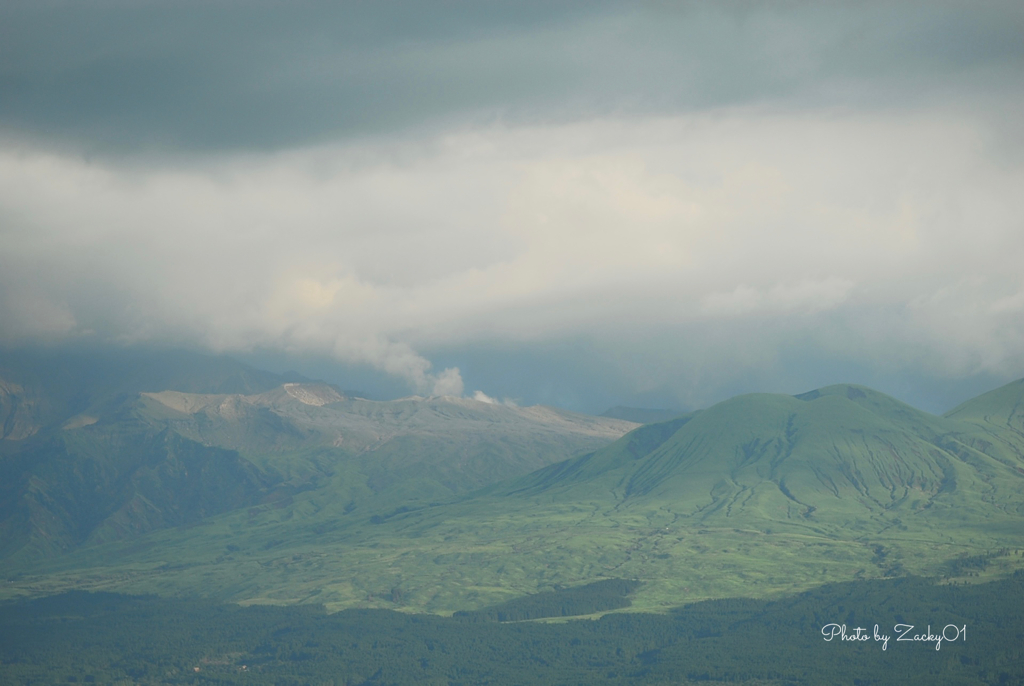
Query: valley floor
108,638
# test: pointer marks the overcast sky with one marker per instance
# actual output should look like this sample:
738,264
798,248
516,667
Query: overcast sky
582,204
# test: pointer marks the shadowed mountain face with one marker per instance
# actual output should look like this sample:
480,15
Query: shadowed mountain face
95,450
59,492
77,464
45,388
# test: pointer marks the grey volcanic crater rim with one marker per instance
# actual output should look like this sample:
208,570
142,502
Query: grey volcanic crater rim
317,414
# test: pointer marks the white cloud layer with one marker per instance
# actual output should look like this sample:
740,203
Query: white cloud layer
885,237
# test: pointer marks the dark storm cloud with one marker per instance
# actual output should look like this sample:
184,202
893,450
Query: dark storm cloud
222,75
201,74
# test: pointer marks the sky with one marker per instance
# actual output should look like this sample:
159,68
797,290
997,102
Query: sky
589,204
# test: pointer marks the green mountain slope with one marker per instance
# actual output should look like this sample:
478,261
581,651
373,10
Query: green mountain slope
1002,407
835,459
60,492
138,459
756,496
77,464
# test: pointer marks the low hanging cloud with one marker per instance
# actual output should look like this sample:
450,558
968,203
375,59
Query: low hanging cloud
693,192
533,233
805,296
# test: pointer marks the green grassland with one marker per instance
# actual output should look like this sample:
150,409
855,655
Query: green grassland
759,496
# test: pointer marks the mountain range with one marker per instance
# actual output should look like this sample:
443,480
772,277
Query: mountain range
265,489
99,447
